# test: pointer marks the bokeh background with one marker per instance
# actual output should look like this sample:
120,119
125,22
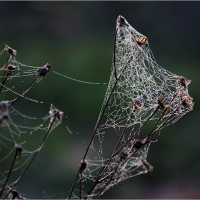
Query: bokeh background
77,39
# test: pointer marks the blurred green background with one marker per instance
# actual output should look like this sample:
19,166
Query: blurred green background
77,39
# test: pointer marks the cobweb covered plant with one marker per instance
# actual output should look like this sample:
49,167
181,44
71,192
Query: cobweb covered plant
139,91
10,137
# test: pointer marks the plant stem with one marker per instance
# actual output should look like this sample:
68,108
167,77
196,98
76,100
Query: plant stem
3,81
98,122
107,181
127,123
150,135
115,72
9,172
154,112
24,91
40,146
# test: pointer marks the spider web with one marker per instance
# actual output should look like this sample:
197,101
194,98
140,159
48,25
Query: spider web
16,128
137,84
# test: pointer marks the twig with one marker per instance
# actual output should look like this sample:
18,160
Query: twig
107,181
115,72
164,121
3,81
17,151
24,91
128,121
16,182
154,112
98,122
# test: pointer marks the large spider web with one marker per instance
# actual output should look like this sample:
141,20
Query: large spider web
139,92
142,91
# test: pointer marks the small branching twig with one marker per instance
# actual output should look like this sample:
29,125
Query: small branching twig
42,71
98,122
56,114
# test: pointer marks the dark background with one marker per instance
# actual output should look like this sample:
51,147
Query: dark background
77,39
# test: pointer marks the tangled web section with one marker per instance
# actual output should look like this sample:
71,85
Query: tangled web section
139,91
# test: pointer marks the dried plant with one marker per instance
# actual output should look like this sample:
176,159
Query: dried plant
139,91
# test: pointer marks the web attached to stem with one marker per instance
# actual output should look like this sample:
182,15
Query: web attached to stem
139,92
17,130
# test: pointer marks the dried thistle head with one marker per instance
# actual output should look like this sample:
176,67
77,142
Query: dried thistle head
183,82
10,51
42,71
123,156
121,21
11,68
19,149
186,101
83,165
141,40
57,114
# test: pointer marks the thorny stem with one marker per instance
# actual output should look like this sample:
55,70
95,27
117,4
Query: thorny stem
16,182
9,172
24,91
98,122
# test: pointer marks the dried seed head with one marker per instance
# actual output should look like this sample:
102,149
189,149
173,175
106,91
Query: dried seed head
137,102
10,51
183,82
186,101
121,21
42,71
3,106
123,156
19,149
83,165
14,194
56,113
138,143
11,68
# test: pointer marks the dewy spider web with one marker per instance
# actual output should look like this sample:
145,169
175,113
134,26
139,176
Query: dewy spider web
138,92
17,128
